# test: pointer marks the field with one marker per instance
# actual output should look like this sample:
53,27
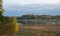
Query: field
46,28
38,31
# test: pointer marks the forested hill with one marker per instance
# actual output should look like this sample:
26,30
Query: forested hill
32,19
31,16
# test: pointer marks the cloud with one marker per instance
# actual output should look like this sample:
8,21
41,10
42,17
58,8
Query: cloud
32,9
23,2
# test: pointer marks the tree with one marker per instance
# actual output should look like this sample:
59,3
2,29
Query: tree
7,23
1,16
8,19
15,24
10,26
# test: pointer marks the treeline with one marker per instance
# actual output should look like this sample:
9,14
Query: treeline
28,17
39,19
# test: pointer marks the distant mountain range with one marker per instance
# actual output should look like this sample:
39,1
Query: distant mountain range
40,9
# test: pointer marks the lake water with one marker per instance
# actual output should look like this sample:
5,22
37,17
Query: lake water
40,21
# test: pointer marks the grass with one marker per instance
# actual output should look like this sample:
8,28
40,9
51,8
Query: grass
26,31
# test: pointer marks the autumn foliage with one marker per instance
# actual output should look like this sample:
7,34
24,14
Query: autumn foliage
7,24
15,24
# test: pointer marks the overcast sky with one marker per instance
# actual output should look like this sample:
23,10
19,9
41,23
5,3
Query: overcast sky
23,2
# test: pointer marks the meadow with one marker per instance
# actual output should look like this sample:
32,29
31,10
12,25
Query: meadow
37,31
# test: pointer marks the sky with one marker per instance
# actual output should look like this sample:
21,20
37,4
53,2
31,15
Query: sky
24,2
